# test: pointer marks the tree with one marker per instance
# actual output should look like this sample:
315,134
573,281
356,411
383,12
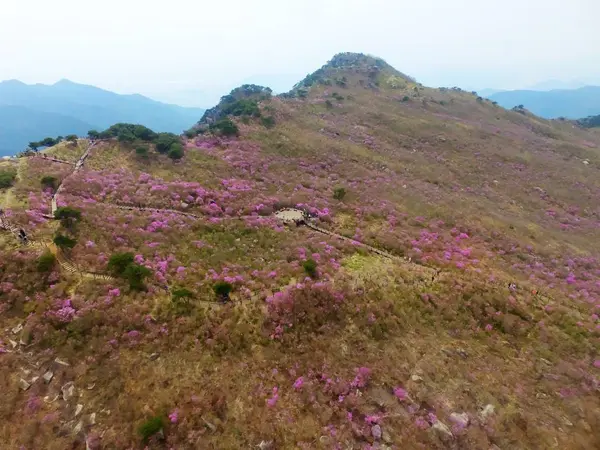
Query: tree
93,134
64,242
34,146
48,142
225,127
176,152
49,182
164,142
67,216
71,138
7,178
339,193
222,290
142,151
46,262
310,267
135,274
118,262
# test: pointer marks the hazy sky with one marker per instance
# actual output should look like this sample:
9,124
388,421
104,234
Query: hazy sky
165,47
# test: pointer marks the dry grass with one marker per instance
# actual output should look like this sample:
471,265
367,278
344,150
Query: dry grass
460,186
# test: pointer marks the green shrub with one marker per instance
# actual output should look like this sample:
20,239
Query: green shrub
151,427
176,151
142,151
310,267
268,122
339,193
46,262
93,134
191,133
71,138
181,299
225,127
123,265
406,98
7,178
118,262
49,182
328,104
222,289
165,141
135,275
67,216
242,107
64,242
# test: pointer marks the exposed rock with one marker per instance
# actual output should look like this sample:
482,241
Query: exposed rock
460,419
68,391
13,343
416,378
486,412
61,362
49,399
154,356
78,409
92,442
386,437
265,445
91,386
92,419
376,431
442,430
23,384
212,427
34,379
17,329
48,377
78,427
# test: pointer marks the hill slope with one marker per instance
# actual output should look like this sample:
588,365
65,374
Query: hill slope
569,103
443,292
66,104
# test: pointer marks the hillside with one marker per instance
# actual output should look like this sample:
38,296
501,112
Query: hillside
440,289
569,103
33,112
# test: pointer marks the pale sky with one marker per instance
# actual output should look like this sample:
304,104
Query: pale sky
165,48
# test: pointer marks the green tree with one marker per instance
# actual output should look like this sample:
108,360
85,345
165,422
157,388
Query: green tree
118,262
142,151
46,262
164,142
225,127
339,193
151,427
34,146
49,182
64,242
48,142
93,134
71,138
135,274
176,152
67,216
222,289
310,267
7,178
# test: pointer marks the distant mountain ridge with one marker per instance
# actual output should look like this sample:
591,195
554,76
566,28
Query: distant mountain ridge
569,103
32,112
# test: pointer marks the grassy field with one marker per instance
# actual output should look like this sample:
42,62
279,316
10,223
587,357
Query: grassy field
485,336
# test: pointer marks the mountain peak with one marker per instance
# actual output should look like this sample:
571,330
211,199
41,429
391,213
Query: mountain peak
367,69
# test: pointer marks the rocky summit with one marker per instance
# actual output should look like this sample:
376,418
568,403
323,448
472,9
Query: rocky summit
361,263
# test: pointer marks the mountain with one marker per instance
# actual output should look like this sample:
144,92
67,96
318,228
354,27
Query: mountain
572,104
363,262
67,107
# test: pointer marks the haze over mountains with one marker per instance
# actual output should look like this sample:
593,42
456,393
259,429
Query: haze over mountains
32,112
569,103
